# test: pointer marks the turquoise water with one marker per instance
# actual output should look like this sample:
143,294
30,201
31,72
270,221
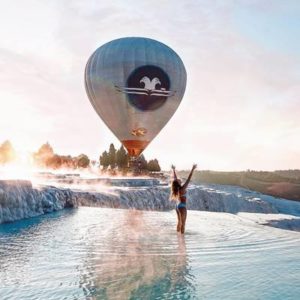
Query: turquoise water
96,253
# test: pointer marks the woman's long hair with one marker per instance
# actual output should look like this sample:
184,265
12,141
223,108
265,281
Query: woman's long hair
175,188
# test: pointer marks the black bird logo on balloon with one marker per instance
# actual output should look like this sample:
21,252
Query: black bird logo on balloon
148,88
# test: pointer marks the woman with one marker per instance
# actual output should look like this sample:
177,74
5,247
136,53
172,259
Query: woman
178,193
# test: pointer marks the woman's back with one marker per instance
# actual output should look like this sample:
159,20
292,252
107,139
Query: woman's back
182,195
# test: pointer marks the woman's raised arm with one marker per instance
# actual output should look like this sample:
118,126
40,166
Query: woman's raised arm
174,172
189,178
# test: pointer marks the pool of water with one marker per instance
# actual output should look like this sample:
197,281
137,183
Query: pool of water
97,253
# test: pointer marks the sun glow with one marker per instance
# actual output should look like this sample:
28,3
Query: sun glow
20,168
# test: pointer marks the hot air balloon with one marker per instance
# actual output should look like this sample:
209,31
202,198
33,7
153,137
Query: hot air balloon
135,85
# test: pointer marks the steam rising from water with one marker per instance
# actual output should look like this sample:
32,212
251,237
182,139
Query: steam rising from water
90,179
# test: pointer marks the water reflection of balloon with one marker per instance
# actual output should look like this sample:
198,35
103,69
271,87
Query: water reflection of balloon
135,85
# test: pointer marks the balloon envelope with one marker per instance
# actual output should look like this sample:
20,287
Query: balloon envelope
135,85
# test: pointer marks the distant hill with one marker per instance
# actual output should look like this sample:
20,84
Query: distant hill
289,173
282,183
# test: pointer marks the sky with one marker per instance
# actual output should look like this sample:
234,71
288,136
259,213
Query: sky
241,108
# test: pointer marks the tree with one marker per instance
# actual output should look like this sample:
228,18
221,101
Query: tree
45,150
67,161
112,156
7,152
43,154
121,158
142,162
104,160
153,166
82,161
53,162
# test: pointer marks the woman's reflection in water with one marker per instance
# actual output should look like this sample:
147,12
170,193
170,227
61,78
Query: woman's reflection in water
139,260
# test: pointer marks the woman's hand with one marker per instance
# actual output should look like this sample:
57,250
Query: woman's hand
194,166
173,167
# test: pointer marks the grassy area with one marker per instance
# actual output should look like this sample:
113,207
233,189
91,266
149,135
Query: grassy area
283,183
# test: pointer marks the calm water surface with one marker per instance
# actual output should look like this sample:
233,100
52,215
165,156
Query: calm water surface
96,253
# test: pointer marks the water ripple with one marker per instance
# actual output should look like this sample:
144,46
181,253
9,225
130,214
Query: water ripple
94,253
